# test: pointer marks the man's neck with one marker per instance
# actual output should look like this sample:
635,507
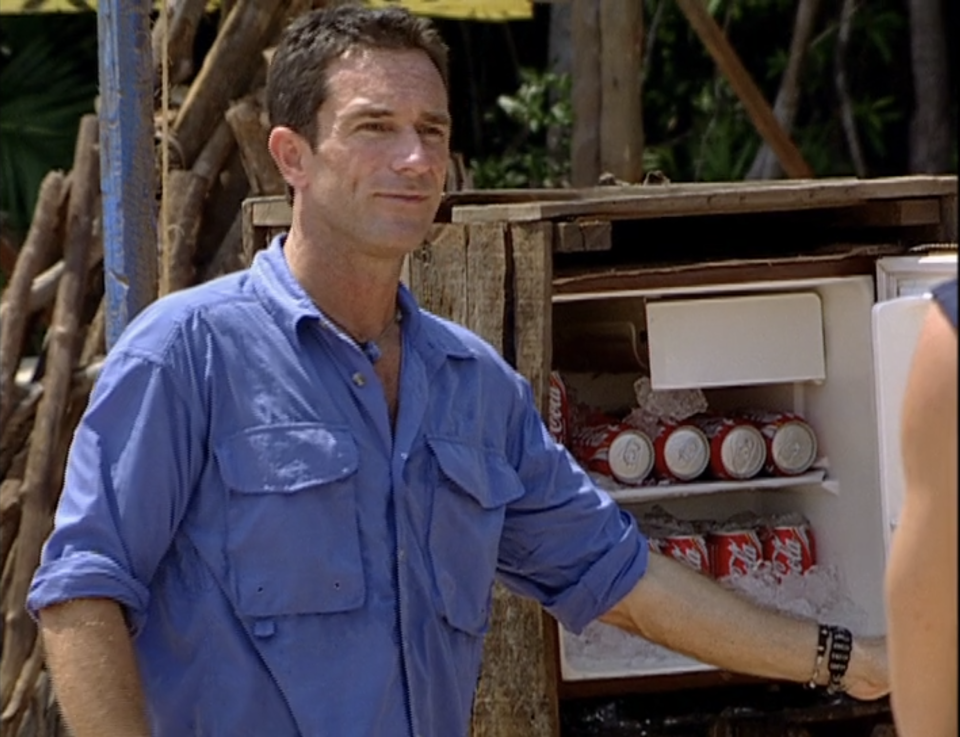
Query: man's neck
358,293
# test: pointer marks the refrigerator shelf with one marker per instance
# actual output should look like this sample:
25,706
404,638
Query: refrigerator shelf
634,494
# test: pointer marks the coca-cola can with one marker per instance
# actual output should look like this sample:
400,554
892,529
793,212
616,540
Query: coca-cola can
790,549
737,449
682,452
615,450
791,441
689,549
734,552
558,409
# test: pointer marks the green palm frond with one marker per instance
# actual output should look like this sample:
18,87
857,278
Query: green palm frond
47,82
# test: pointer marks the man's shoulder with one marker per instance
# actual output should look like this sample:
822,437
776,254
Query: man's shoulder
186,315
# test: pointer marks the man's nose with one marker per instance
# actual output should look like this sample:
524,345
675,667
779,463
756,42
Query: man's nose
413,154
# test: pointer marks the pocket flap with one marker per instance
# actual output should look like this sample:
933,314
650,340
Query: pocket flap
483,475
286,458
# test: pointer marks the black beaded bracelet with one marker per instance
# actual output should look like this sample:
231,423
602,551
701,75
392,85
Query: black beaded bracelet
841,645
822,637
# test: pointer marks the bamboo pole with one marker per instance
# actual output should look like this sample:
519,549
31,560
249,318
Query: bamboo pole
37,252
745,88
185,194
38,497
226,72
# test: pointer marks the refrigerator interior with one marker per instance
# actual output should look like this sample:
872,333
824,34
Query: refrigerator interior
747,357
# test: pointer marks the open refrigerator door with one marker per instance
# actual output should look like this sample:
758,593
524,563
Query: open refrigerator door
896,328
903,294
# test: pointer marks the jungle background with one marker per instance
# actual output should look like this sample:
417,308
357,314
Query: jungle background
511,93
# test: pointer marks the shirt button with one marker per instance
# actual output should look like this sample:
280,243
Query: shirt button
358,379
402,555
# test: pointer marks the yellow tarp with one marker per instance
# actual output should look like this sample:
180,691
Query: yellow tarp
457,9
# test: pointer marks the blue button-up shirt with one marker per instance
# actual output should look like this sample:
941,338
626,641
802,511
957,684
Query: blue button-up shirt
287,562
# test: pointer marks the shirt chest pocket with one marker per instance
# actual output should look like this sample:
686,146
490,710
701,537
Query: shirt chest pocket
293,539
471,492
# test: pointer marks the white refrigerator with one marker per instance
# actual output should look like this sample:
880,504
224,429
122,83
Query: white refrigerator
834,349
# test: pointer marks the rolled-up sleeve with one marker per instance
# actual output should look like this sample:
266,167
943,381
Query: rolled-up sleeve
566,543
130,472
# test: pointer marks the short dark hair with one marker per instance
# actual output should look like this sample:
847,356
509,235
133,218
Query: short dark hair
297,79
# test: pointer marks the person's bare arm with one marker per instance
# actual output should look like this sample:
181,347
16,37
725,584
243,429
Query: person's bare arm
693,615
921,578
93,668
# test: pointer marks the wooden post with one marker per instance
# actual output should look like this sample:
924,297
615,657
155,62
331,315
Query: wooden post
585,146
621,120
746,90
607,121
127,160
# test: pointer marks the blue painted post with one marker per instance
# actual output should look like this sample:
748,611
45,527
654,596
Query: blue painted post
127,161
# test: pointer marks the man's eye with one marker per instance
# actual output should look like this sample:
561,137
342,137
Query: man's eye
375,127
435,133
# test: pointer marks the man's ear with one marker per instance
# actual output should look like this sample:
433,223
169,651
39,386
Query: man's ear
289,151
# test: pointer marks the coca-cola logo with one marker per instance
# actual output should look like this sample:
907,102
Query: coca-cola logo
744,556
690,556
556,420
787,555
592,437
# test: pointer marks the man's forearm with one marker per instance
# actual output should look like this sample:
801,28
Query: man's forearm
693,615
93,668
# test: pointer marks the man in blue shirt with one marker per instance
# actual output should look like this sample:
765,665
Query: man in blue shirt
288,499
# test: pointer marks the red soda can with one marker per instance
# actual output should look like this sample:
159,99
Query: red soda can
681,451
558,409
737,449
734,552
791,442
689,549
615,450
789,548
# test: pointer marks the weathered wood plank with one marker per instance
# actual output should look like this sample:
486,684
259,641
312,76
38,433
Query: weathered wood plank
585,144
253,236
247,119
270,211
583,236
713,199
486,282
532,317
891,213
517,695
621,121
438,272
948,218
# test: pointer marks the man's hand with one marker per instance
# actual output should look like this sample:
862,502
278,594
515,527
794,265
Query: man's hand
689,613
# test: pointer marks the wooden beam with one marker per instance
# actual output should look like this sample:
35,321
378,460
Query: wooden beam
746,90
621,120
713,198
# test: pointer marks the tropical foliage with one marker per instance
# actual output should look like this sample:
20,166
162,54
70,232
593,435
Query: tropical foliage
697,130
48,73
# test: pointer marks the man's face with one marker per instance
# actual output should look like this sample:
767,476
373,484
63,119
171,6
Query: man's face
376,177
